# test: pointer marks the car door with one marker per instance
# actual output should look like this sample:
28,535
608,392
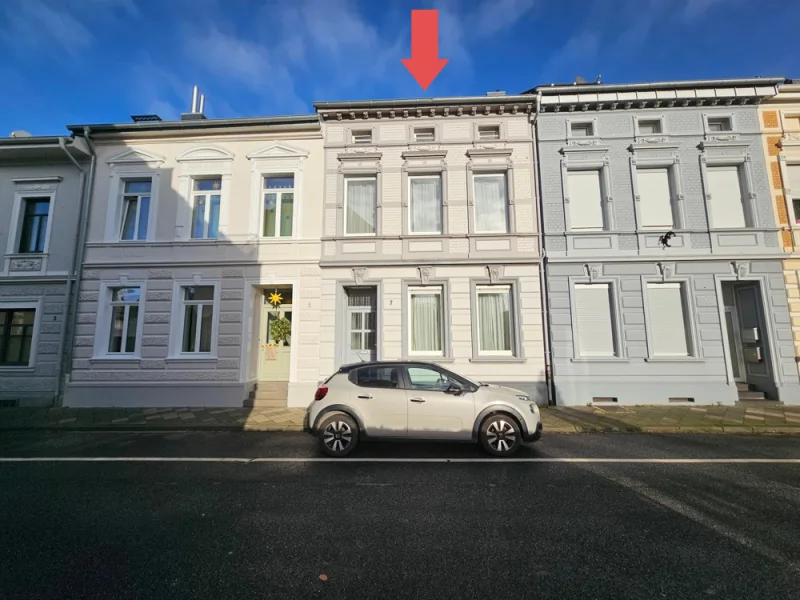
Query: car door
378,397
434,413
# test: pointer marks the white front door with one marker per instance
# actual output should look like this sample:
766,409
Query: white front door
360,339
275,359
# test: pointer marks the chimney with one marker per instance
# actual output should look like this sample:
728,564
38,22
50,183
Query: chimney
197,111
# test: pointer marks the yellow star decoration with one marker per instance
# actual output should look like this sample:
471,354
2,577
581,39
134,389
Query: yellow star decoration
215,185
275,298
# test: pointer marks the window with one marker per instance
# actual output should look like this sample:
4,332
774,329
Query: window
489,132
495,320
791,123
198,315
278,206
668,319
361,200
135,209
425,134
649,126
363,136
793,173
655,199
34,225
581,129
491,203
206,196
725,197
585,200
593,308
430,379
124,320
425,212
375,377
718,124
16,336
426,322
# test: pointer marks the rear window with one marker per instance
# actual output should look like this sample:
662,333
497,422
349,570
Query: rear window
375,377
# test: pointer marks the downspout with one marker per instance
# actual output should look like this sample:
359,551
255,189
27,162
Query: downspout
69,317
543,287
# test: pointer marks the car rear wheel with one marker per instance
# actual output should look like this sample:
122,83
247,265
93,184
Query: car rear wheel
338,435
500,435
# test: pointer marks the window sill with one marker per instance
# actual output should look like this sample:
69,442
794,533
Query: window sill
117,360
674,359
26,254
497,359
17,369
600,359
189,361
428,358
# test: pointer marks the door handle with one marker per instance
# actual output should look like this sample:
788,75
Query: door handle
365,396
417,400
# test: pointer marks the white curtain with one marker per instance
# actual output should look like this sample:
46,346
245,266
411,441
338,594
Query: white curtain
426,322
426,205
495,333
490,203
361,206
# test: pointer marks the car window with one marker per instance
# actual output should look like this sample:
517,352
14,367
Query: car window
425,378
375,377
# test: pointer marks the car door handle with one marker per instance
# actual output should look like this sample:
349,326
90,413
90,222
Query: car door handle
365,396
417,400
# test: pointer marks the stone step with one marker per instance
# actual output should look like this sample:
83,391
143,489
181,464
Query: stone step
742,386
750,396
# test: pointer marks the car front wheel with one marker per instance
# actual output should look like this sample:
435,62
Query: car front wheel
500,435
338,435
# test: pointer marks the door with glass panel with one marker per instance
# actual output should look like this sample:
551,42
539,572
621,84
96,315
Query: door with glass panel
361,325
276,344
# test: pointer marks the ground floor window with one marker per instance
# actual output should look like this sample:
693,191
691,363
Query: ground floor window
124,320
426,320
198,317
16,336
495,320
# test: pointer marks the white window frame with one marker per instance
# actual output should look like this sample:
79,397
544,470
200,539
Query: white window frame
689,320
506,179
599,160
603,210
789,194
207,211
497,289
637,119
673,166
616,319
177,320
482,129
355,134
441,203
347,180
105,314
26,304
111,303
132,163
437,289
418,130
742,163
18,217
591,122
720,115
278,205
123,204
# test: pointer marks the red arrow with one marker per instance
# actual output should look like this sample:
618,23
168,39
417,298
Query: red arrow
424,63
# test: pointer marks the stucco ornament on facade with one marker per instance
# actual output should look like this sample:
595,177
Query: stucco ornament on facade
425,274
26,264
359,274
667,270
495,273
593,271
741,269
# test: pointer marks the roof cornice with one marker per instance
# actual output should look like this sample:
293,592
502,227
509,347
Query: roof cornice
469,106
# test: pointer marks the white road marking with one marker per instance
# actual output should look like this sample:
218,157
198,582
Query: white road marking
344,461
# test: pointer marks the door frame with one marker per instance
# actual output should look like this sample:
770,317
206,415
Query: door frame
737,342
341,310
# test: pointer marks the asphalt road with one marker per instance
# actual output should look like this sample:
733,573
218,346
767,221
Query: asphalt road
405,529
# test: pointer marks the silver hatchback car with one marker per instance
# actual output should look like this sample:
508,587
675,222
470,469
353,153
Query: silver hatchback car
418,401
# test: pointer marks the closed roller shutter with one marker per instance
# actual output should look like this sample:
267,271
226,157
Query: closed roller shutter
594,322
667,319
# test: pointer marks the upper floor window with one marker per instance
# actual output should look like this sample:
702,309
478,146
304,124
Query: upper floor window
206,197
135,209
649,126
726,200
581,129
425,214
16,336
491,203
489,132
278,206
719,124
124,320
793,172
360,208
34,225
655,199
361,136
424,134
585,193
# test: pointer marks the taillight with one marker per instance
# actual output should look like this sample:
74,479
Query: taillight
321,392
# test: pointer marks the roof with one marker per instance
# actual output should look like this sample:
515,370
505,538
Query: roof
42,147
657,85
195,124
417,102
34,140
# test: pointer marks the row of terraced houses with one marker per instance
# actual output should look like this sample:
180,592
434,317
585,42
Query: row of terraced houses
586,243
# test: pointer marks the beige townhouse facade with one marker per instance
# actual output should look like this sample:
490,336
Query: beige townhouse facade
202,235
430,246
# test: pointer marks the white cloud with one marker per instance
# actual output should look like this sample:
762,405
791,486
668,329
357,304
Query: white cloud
492,16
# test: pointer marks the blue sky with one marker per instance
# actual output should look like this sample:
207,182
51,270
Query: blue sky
98,61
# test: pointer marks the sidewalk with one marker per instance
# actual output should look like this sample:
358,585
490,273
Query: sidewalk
769,419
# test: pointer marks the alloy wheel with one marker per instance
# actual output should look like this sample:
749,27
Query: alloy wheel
337,436
501,435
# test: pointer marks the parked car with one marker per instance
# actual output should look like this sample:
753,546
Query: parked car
418,401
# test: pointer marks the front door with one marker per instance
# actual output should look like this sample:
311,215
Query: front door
276,355
360,339
735,344
434,414
753,337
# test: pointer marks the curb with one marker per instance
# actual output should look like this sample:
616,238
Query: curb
151,428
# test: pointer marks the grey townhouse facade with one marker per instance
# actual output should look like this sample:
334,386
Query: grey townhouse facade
662,256
43,185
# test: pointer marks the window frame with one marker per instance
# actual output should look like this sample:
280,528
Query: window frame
412,176
591,122
616,317
23,191
513,325
26,201
351,133
194,194
599,160
278,204
411,290
708,117
493,173
484,128
360,177
123,203
689,315
742,164
177,319
417,130
22,304
105,314
790,195
662,124
603,209
111,304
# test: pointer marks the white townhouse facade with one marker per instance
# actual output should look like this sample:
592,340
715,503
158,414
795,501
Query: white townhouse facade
41,197
430,246
202,234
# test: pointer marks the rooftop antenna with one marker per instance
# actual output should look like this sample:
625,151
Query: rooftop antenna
599,79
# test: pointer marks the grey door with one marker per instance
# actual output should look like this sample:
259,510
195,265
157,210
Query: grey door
360,337
753,335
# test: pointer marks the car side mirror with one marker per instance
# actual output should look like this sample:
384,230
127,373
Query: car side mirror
454,389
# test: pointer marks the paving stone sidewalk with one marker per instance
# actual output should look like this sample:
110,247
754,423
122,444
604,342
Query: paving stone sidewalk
652,419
